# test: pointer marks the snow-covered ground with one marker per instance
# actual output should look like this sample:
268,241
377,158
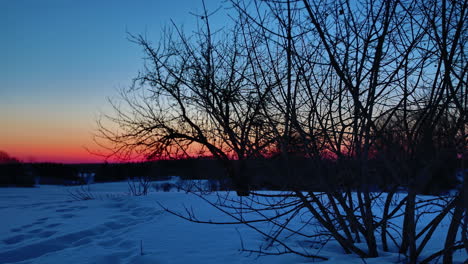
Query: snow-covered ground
45,225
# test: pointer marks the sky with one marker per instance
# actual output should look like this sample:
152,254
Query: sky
61,59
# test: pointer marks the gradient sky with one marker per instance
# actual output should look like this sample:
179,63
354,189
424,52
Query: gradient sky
61,59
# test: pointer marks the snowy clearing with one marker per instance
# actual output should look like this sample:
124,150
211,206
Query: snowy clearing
45,225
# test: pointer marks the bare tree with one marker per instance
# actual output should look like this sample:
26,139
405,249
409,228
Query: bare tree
194,98
357,88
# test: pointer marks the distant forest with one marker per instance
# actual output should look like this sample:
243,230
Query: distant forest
263,173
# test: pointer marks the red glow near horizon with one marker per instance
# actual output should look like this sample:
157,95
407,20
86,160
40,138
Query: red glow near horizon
31,139
49,152
71,156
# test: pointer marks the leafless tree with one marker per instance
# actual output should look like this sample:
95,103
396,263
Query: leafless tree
194,98
344,84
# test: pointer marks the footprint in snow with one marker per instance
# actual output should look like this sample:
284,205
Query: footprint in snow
117,225
53,225
126,244
58,243
35,231
14,239
109,242
79,207
26,226
39,222
46,234
139,212
15,230
64,210
43,247
67,216
123,218
82,242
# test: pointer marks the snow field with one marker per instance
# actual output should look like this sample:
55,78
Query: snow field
44,225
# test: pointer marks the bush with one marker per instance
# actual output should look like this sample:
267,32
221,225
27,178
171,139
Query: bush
167,187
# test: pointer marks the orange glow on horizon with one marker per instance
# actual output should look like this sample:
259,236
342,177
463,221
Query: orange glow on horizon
69,148
61,136
53,154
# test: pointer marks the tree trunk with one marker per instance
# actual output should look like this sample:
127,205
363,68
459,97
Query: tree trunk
452,233
388,202
409,230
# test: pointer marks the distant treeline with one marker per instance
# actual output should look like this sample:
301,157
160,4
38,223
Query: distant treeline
28,174
272,173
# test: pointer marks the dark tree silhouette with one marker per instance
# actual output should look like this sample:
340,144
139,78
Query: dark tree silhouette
13,172
5,158
361,89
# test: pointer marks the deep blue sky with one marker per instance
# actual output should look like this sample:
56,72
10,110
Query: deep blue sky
60,59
